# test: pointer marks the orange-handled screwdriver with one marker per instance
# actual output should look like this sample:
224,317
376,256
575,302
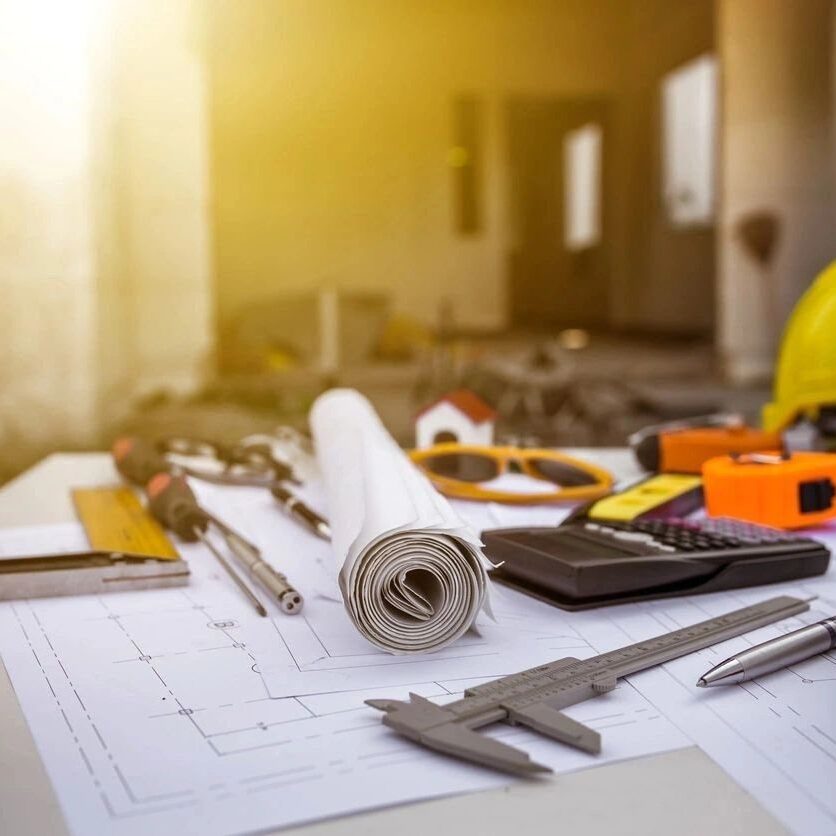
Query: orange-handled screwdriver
173,503
137,460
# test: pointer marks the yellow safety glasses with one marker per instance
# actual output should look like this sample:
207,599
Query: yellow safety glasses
460,471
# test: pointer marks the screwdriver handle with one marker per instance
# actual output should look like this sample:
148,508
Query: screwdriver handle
172,503
137,460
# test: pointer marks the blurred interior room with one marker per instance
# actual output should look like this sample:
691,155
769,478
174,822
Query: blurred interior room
417,417
596,214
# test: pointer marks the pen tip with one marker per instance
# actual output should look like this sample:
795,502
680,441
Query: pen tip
261,610
701,683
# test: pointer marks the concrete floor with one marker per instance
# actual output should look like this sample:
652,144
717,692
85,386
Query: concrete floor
615,386
597,397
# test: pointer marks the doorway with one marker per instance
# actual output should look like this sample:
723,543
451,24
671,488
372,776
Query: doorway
560,184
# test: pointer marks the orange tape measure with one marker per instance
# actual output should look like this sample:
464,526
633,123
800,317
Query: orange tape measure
680,447
685,451
782,490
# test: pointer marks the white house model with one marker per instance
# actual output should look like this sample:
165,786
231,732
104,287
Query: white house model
459,416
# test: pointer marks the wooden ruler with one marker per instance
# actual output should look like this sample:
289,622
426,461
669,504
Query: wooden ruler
115,521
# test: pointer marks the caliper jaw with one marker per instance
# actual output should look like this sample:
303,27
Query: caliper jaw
535,697
546,720
444,731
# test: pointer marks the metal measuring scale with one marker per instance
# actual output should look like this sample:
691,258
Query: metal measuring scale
533,697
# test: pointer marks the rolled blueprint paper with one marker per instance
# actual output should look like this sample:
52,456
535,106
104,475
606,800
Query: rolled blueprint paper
411,572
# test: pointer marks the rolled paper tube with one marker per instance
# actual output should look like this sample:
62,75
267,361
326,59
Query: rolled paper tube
410,571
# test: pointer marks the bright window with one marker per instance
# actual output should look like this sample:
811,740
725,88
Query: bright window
689,129
582,187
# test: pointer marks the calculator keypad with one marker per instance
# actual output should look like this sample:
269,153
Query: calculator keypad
676,535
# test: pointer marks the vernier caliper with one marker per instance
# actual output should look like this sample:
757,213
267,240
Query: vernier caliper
532,697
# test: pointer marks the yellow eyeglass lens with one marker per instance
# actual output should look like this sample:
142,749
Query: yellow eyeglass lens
561,473
465,467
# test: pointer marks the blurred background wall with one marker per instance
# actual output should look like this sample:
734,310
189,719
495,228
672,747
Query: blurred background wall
663,276
47,229
167,167
154,217
104,216
333,121
777,159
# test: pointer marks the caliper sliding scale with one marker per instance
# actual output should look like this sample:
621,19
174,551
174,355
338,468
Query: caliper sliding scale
532,697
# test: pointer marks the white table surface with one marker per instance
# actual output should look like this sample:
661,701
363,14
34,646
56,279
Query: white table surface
681,792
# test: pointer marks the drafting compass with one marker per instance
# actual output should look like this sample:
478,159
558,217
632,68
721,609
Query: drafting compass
533,697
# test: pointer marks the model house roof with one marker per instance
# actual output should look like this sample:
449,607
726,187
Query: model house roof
467,403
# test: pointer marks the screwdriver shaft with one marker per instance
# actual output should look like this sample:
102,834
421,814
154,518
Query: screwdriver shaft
231,572
228,531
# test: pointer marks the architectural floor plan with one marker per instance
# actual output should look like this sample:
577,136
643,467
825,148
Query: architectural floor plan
157,710
150,713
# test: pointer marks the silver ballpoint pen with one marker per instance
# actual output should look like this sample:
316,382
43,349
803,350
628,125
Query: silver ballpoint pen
294,506
774,654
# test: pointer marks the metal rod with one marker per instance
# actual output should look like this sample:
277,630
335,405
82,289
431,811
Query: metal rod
229,531
259,607
230,479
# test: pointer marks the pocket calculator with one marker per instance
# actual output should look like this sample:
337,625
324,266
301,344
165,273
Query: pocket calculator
590,563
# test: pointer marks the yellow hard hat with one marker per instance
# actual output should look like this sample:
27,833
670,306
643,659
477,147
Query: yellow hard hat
805,378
